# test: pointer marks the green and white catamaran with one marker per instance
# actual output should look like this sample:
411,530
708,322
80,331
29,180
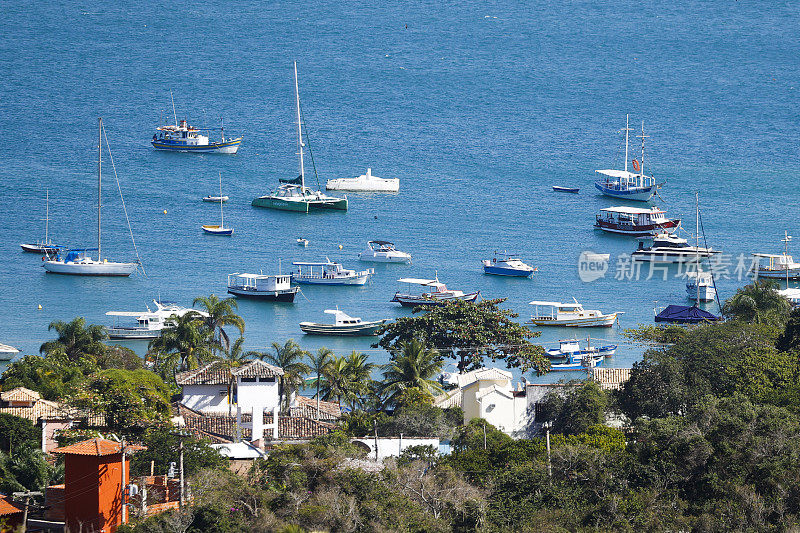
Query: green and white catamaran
293,195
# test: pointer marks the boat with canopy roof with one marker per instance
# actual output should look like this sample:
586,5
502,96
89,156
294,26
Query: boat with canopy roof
329,273
625,184
437,293
343,325
181,137
634,221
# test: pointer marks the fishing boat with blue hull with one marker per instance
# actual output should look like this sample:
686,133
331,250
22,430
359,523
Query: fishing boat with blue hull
572,348
180,137
578,362
507,265
437,294
625,184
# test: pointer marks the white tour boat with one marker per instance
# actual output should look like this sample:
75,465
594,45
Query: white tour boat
293,195
343,325
624,184
364,183
570,315
273,288
437,294
635,221
45,246
669,248
383,252
77,261
779,266
149,324
329,273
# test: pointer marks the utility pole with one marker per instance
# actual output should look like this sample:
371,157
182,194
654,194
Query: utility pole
27,495
484,435
122,483
375,425
547,426
180,447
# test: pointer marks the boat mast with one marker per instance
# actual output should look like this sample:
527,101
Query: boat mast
299,133
99,179
46,217
174,115
627,129
221,216
786,240
696,245
641,165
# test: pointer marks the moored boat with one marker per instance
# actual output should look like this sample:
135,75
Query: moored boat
272,288
44,246
625,184
437,294
570,315
507,265
219,229
343,325
180,137
364,183
778,266
700,286
215,199
149,324
383,252
7,352
578,362
573,190
634,221
329,273
684,314
572,348
669,248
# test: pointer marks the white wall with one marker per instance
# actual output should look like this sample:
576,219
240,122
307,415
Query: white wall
394,446
260,393
206,398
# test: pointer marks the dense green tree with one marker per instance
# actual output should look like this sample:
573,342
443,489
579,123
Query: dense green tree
318,367
289,357
220,313
117,356
17,432
789,339
656,388
575,408
163,447
27,469
412,366
51,377
129,400
76,342
469,333
758,302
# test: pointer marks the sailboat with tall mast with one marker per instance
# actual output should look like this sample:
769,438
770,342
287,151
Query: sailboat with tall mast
700,285
625,184
221,229
293,195
46,246
77,261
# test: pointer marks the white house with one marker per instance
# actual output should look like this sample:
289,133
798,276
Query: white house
217,389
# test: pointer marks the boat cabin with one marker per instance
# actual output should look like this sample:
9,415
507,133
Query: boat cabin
558,310
340,318
381,246
326,270
779,262
259,282
181,134
633,216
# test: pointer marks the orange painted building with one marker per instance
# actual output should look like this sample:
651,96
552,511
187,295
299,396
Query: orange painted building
93,484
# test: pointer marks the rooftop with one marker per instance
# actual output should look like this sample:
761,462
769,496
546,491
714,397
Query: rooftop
20,394
217,373
97,447
8,508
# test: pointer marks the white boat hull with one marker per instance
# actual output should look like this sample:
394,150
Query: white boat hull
94,268
602,321
354,185
707,293
404,258
359,279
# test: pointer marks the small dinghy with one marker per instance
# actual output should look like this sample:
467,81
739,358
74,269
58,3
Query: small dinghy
343,325
573,190
215,199
219,229
302,242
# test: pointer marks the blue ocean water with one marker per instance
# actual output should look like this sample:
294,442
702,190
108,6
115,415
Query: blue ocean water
478,108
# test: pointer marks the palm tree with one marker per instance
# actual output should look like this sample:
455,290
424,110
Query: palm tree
289,357
186,345
347,379
758,302
235,354
75,340
415,366
220,314
319,364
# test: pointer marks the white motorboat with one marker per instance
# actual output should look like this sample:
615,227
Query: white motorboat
383,252
437,294
343,325
572,348
364,183
625,184
570,315
779,266
700,286
215,199
149,324
293,195
302,242
7,352
791,294
45,246
669,248
329,273
220,229
76,261
273,288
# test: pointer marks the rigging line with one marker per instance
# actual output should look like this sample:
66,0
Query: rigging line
713,279
308,144
122,198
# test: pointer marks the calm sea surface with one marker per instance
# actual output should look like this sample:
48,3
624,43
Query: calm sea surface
478,108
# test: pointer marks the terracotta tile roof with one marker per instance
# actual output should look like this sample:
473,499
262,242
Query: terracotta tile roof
216,373
8,508
40,409
307,407
289,427
20,394
610,378
97,447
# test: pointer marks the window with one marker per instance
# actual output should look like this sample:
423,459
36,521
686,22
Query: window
266,380
248,380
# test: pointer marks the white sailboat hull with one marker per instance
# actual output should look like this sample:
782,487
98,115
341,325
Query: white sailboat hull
601,321
92,268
